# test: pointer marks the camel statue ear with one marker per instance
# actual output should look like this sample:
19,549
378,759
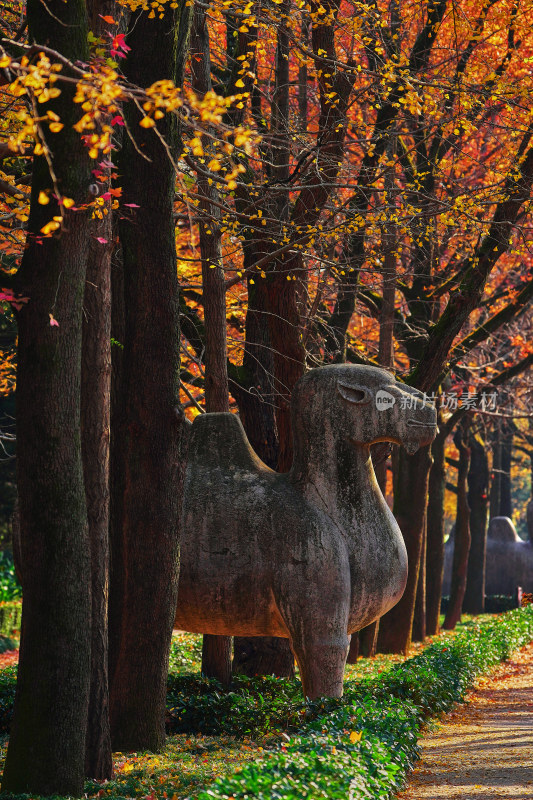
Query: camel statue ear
354,394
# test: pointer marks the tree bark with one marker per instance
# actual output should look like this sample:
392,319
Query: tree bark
216,650
462,533
368,636
95,424
47,744
95,431
419,619
410,500
263,655
435,535
506,502
145,539
496,476
273,300
353,652
478,487
260,655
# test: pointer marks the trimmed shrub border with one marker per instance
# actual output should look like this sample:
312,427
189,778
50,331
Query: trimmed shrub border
363,745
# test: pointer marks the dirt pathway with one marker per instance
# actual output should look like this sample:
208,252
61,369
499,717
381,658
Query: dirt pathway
483,750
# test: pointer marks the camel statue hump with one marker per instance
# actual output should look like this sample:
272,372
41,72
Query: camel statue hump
218,442
502,529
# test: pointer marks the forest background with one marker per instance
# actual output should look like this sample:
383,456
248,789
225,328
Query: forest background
328,181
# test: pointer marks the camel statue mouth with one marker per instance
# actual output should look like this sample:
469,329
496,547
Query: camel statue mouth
417,424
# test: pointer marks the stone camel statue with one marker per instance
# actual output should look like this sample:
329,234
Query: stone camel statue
509,559
314,554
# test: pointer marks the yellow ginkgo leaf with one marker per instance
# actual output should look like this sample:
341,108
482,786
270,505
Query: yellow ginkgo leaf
43,199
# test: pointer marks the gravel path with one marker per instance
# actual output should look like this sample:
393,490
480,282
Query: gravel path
483,750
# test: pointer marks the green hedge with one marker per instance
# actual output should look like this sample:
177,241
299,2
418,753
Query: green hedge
359,746
363,745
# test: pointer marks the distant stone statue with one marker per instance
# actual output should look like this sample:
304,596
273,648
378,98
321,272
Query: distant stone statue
509,560
502,529
315,554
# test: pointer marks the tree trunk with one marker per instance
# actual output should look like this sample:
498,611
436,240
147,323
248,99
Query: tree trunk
478,487
256,401
263,655
435,536
506,503
410,500
302,73
368,636
496,476
145,539
368,640
353,652
270,433
260,655
462,533
95,423
47,744
216,650
95,431
419,619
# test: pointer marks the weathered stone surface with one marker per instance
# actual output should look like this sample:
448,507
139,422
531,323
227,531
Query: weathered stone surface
509,560
314,554
502,529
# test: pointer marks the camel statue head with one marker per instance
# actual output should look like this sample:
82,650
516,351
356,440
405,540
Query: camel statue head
363,405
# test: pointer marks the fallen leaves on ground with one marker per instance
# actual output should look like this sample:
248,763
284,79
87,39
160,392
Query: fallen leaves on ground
483,750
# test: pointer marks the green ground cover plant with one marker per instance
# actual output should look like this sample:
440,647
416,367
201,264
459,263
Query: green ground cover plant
261,740
10,588
362,745
10,618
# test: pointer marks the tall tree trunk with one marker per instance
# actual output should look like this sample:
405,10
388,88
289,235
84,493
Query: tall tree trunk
216,650
462,532
46,750
302,73
95,424
145,540
368,636
478,487
283,285
263,655
95,431
272,655
506,503
419,619
410,500
435,535
258,655
496,476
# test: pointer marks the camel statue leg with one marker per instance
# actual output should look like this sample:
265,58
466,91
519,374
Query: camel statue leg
320,645
321,661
